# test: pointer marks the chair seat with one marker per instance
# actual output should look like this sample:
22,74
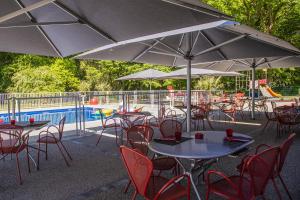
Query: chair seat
11,146
228,111
111,125
165,163
157,182
225,190
48,139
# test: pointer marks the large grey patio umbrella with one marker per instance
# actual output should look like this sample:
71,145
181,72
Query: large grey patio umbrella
226,41
62,28
149,74
253,64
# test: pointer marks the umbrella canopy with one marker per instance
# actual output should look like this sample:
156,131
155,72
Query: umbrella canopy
66,27
146,74
196,73
245,64
224,41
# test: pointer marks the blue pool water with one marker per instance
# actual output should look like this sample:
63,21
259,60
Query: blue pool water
54,115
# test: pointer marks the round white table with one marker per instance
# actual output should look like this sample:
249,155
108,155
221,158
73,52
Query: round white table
210,147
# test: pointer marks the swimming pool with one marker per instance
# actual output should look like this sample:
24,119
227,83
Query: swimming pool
54,115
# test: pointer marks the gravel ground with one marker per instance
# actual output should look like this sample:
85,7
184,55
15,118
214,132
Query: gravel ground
97,172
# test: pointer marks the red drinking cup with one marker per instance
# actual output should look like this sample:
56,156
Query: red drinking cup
199,136
31,120
177,136
229,132
12,121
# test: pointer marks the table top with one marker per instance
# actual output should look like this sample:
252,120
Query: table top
30,126
211,146
120,114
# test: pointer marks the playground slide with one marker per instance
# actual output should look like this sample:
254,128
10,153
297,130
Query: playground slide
274,94
264,91
268,92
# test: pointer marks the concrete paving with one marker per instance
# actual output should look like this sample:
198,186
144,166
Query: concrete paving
97,172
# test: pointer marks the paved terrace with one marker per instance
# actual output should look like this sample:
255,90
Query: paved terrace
97,172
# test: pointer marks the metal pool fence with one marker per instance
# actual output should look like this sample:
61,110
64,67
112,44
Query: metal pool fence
74,105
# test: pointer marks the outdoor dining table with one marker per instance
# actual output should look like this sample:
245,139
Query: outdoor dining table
28,127
212,146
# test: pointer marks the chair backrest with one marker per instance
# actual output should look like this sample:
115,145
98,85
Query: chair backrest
61,126
297,102
139,168
269,115
284,149
139,136
169,127
273,104
11,138
199,111
260,168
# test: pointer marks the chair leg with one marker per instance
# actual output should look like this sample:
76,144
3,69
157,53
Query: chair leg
276,188
134,195
28,163
18,169
66,150
265,126
207,194
285,187
62,153
116,133
46,150
38,161
100,136
127,186
209,124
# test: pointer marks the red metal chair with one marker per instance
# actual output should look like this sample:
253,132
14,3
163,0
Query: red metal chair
169,127
138,138
287,119
13,142
47,137
200,113
229,110
246,186
140,170
284,149
271,117
110,123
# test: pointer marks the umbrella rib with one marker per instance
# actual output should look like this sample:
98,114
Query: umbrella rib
229,68
179,48
213,44
146,50
165,54
243,62
275,60
25,10
84,21
198,9
221,44
211,65
155,47
24,24
194,43
171,48
41,30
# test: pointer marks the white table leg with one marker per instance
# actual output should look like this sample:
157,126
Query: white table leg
188,172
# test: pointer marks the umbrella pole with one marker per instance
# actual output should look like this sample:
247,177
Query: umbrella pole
253,92
189,58
188,96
